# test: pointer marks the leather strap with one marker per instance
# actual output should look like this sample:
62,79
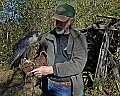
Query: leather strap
61,84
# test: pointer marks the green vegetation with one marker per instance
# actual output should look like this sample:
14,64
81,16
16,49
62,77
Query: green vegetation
36,15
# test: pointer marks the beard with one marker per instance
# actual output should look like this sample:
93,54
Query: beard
59,30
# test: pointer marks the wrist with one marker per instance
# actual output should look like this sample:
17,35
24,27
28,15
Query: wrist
51,69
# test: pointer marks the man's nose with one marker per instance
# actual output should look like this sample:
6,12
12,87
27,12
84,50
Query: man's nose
58,25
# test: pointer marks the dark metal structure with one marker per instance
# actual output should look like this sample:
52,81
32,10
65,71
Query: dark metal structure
103,45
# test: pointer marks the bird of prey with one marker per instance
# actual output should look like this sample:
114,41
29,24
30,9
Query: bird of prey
22,46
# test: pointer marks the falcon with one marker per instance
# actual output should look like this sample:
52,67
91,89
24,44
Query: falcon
21,48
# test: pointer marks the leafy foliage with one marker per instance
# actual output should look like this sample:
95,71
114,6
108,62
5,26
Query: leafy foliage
32,15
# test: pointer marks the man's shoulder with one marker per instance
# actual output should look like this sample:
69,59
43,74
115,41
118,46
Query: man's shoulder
48,33
45,34
79,35
75,33
48,36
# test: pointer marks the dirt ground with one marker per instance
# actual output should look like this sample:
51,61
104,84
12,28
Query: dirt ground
12,83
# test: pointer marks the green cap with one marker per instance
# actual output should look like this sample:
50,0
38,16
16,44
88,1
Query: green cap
64,12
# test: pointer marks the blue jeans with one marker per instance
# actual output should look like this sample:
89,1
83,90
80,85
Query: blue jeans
56,90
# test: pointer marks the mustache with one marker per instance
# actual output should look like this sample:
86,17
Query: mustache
58,25
59,28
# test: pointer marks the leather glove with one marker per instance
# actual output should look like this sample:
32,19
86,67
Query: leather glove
27,65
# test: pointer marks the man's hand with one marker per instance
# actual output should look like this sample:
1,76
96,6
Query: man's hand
43,71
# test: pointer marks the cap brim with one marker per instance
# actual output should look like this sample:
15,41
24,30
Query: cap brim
60,17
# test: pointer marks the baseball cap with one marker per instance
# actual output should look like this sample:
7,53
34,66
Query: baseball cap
64,12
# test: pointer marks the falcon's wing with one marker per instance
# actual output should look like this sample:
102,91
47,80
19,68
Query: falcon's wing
21,48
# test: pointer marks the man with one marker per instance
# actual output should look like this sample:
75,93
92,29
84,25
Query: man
67,54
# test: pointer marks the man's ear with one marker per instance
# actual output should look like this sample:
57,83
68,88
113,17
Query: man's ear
72,21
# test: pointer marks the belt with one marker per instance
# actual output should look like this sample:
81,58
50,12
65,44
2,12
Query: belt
61,84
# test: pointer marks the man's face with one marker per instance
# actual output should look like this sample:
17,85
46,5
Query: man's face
61,24
63,27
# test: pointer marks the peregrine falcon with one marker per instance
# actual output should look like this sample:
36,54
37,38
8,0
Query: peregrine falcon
20,50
